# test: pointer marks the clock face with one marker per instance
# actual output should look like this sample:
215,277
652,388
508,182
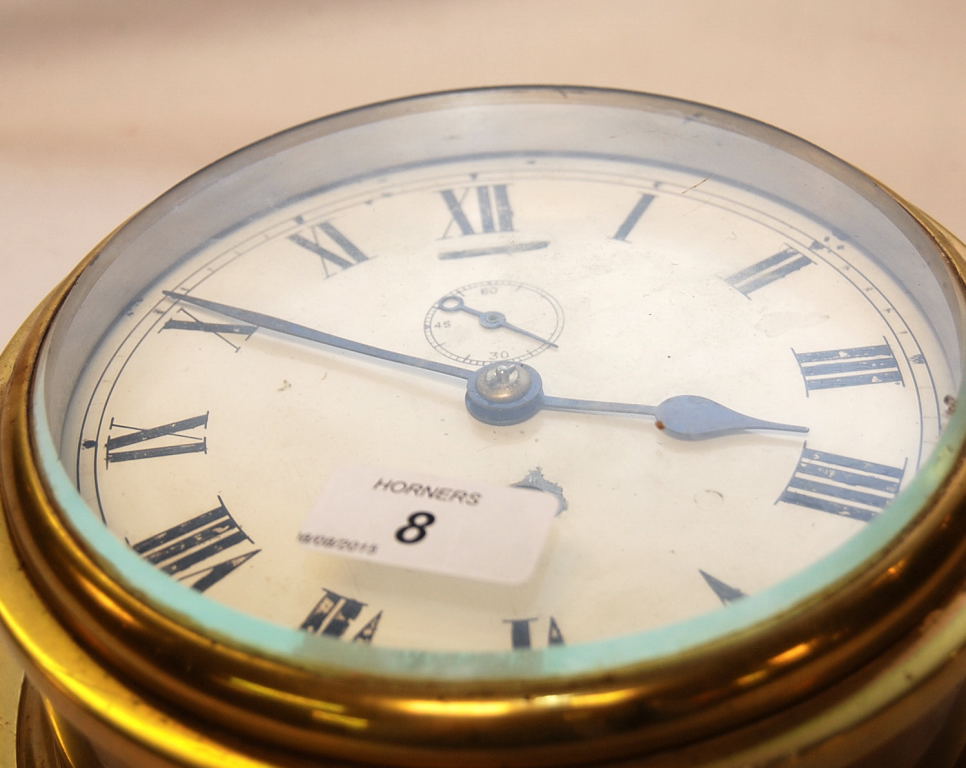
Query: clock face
732,371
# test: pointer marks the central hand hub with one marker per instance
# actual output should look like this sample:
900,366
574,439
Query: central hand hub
504,393
501,382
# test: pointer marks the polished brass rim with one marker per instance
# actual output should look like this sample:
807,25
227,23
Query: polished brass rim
712,690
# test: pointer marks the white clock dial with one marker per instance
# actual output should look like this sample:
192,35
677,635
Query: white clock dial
204,439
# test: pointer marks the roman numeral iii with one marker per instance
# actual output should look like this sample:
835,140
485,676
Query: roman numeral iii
852,367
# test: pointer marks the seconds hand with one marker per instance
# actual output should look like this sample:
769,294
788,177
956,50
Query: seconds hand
509,393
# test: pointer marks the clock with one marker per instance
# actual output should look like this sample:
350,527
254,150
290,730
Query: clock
526,426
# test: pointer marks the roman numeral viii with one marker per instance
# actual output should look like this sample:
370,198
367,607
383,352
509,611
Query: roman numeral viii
165,440
188,550
335,614
336,251
841,485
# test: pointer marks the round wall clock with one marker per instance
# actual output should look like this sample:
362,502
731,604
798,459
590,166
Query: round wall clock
506,427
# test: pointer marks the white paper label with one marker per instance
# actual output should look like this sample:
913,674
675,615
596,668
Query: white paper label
461,528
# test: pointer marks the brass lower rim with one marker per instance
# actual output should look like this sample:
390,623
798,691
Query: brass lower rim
43,739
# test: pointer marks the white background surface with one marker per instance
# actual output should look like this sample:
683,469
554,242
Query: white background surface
106,103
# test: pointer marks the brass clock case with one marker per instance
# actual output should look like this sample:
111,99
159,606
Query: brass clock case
872,662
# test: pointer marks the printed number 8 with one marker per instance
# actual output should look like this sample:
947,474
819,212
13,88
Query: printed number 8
418,522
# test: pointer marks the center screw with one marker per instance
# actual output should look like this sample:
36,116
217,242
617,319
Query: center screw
503,381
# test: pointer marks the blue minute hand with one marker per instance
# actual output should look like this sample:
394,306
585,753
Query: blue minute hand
492,396
288,328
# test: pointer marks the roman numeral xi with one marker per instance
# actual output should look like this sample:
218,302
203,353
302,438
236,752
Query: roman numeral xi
336,251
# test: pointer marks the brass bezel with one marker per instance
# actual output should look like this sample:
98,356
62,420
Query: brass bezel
872,649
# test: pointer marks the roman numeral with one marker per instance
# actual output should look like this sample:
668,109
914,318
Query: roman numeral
520,632
195,542
334,614
841,485
333,248
219,330
481,210
179,441
854,367
633,217
725,592
491,211
768,270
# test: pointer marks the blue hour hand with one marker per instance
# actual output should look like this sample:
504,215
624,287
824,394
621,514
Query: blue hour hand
509,393
687,417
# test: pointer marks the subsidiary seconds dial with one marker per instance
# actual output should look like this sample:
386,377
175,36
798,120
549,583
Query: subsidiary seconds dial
494,320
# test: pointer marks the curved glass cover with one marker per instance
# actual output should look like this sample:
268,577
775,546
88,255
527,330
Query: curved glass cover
591,373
